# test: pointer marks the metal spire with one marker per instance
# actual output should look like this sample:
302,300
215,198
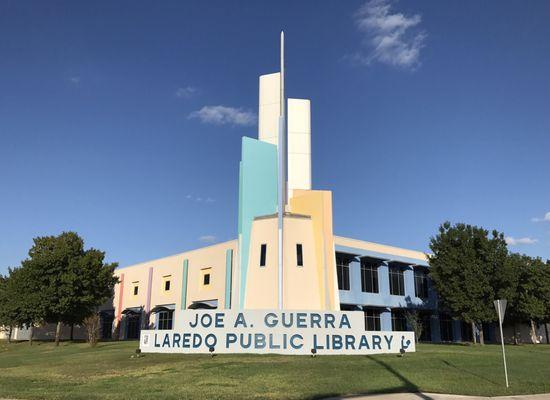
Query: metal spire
281,173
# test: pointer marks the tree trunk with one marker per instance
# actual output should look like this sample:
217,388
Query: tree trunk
57,333
11,329
516,335
31,333
72,332
481,335
534,338
474,339
546,330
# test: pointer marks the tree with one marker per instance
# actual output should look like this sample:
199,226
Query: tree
20,301
529,302
72,281
465,269
414,321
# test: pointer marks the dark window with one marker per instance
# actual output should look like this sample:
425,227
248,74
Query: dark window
342,271
398,321
420,283
263,251
466,331
136,289
206,279
372,319
133,326
166,285
164,319
107,325
426,321
369,276
299,255
446,327
397,282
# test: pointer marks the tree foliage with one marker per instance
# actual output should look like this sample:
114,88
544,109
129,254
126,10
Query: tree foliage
465,269
59,282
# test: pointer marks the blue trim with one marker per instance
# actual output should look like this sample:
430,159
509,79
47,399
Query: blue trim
228,276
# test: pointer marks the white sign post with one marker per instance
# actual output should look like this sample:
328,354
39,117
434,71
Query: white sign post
273,331
500,306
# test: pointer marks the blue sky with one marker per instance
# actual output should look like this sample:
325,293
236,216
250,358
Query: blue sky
122,120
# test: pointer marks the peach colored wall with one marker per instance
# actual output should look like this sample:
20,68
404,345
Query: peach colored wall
213,257
300,284
318,204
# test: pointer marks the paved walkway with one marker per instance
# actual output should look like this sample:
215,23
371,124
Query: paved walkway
435,396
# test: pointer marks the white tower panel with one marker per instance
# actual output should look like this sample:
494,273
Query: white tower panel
299,145
269,108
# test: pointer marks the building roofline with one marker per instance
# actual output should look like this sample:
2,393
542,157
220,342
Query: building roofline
177,254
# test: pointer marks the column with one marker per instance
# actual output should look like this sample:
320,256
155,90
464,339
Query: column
384,280
408,277
385,319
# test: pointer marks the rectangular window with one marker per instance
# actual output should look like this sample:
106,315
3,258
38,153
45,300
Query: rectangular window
299,255
167,285
263,251
165,319
369,276
397,281
420,283
206,279
426,321
136,290
372,319
398,321
342,271
446,327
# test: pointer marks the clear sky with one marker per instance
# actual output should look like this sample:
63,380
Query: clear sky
122,120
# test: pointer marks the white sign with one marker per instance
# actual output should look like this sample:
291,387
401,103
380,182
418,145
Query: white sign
270,331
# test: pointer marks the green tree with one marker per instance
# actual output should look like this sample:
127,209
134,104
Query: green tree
72,281
20,301
529,303
465,269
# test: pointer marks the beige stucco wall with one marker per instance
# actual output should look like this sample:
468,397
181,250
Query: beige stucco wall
171,268
300,284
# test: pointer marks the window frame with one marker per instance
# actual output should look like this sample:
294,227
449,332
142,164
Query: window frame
397,272
398,317
299,255
369,274
165,319
263,254
342,272
421,283
372,320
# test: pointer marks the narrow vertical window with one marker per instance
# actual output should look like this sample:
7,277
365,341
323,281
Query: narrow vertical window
299,255
369,276
420,283
397,282
342,272
263,252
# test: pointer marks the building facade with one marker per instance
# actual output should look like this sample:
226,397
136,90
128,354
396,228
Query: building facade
285,255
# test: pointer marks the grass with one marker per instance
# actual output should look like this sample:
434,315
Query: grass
76,371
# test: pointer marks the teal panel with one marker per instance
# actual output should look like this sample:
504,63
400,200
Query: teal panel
257,195
228,276
184,285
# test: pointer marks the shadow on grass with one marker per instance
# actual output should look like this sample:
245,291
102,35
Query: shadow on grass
408,386
450,364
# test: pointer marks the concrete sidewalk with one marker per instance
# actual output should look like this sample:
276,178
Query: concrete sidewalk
435,396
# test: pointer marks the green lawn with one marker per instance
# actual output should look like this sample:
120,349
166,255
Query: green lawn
76,371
